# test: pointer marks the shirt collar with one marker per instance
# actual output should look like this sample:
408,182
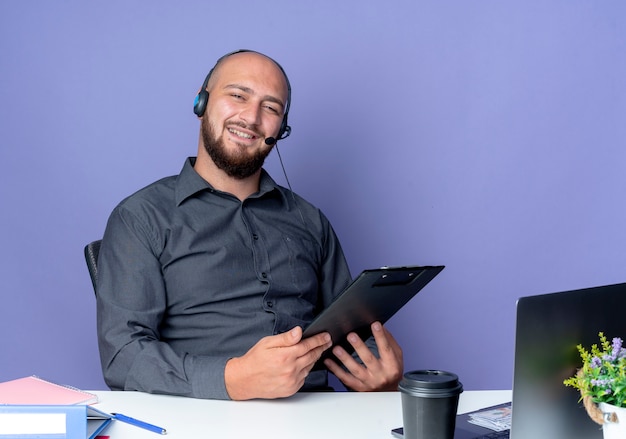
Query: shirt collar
189,183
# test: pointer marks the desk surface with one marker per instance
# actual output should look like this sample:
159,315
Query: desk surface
305,415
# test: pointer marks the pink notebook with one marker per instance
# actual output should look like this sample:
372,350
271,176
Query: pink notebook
37,391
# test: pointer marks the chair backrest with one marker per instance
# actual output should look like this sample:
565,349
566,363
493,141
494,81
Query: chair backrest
91,257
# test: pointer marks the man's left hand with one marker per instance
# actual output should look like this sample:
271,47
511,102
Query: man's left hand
375,374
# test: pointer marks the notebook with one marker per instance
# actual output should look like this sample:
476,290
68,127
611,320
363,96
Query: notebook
548,329
374,295
33,390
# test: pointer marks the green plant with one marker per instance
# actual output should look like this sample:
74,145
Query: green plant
603,375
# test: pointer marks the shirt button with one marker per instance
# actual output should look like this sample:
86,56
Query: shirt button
270,304
255,236
264,275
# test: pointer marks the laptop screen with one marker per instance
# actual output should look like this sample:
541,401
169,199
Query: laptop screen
548,329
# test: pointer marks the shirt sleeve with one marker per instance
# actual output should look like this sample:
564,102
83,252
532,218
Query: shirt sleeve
335,273
337,277
131,304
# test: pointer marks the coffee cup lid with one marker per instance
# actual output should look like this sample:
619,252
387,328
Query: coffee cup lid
431,383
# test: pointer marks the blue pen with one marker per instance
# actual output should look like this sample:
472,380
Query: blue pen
138,423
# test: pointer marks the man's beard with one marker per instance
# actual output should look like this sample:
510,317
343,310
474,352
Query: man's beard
236,165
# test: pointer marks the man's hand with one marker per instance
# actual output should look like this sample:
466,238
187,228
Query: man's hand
375,374
275,367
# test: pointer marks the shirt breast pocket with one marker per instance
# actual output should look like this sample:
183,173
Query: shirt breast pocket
302,267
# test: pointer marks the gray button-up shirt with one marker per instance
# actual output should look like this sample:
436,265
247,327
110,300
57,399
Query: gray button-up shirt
189,277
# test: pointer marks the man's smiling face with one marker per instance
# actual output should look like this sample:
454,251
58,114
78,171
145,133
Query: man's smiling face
247,97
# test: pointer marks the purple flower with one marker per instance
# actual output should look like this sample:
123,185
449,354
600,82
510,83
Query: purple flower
616,351
596,363
602,382
617,348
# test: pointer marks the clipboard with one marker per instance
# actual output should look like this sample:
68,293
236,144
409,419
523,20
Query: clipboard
374,295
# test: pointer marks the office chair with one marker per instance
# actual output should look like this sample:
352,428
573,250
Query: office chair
91,257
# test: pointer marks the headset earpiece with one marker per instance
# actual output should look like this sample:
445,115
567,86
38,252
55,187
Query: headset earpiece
283,127
284,130
199,103
201,100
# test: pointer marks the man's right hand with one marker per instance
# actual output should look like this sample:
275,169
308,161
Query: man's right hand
275,367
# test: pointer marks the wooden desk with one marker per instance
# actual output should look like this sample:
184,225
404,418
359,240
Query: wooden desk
343,415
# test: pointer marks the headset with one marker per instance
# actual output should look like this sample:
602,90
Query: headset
201,100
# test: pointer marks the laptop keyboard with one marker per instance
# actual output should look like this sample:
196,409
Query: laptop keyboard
496,435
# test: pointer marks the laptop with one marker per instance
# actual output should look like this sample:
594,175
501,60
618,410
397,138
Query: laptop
548,329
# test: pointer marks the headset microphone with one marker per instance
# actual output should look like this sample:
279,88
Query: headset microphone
285,131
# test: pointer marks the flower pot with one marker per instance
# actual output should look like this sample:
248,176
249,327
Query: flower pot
613,429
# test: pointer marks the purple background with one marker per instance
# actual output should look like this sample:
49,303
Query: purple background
488,136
